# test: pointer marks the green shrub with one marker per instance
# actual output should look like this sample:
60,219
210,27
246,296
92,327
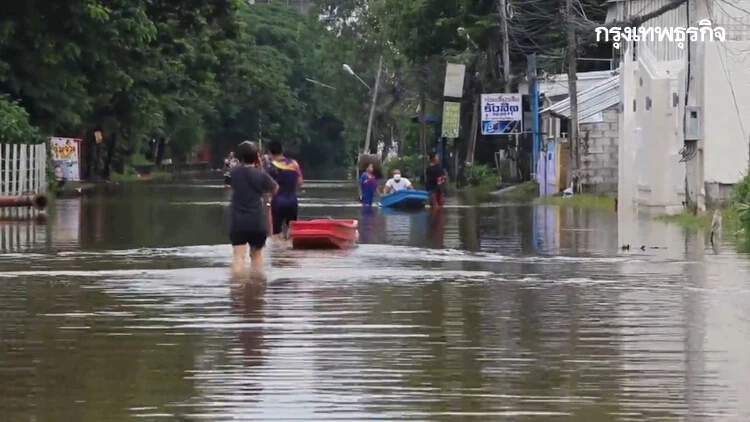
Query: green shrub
481,175
139,160
741,203
409,165
15,127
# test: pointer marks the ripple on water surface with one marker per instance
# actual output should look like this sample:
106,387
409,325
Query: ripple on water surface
376,333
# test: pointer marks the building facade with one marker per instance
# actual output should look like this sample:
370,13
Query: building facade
654,83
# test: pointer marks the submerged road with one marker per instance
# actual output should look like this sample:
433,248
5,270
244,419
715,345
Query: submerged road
122,309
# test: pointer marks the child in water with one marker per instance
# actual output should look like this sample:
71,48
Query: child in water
368,185
248,215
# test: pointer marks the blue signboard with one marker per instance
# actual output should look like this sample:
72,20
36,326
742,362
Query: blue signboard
501,114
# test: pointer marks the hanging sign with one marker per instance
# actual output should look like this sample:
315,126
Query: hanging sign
451,119
454,80
501,114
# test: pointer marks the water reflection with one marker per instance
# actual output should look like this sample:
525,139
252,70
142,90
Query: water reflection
67,223
248,300
22,236
546,229
368,231
436,227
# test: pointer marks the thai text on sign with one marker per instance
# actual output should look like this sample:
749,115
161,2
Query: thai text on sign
451,119
501,107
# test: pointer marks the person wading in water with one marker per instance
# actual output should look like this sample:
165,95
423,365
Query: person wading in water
288,175
248,220
368,185
435,181
229,164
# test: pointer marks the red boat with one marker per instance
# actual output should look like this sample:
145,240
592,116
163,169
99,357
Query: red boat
323,234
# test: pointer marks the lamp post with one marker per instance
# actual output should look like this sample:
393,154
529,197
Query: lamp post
478,60
349,70
374,92
313,81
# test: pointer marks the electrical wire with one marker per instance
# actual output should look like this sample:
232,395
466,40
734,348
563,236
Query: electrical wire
690,150
731,85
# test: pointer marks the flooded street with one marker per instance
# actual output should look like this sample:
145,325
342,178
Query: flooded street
121,308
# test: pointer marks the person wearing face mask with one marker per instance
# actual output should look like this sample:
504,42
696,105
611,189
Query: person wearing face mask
397,183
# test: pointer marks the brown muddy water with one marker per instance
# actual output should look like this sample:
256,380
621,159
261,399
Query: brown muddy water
121,308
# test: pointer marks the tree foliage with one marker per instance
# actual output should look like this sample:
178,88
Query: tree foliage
424,35
191,71
183,71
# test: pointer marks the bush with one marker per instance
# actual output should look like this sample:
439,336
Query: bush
409,165
741,203
482,175
15,127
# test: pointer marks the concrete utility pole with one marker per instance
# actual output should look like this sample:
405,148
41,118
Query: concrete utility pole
534,101
692,121
506,47
423,123
372,107
575,150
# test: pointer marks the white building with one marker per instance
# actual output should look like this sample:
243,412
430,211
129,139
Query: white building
653,84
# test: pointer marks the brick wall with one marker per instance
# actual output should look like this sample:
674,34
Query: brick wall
599,160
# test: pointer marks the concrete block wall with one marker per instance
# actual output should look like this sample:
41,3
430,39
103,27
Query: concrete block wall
599,165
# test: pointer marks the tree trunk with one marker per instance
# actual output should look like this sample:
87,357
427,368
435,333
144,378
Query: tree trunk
111,144
423,125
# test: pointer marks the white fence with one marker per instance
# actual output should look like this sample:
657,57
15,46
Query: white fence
23,170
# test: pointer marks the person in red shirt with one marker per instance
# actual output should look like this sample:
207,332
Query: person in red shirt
435,180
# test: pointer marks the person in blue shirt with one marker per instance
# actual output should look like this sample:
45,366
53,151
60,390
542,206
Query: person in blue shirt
368,185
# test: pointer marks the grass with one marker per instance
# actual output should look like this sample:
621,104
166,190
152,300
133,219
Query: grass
702,221
155,175
481,191
581,201
525,192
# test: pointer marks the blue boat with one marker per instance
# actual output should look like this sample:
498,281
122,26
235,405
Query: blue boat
405,199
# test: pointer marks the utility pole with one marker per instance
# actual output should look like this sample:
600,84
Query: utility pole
372,107
692,121
575,150
423,120
506,48
534,102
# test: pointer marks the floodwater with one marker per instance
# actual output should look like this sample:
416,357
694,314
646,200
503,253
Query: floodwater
122,308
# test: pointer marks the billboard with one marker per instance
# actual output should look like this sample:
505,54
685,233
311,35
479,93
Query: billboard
454,80
501,114
451,119
66,158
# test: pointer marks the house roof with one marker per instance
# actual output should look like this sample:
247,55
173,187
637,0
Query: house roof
590,102
554,85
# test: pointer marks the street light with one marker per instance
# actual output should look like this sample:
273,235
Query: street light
462,33
374,99
349,70
313,81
